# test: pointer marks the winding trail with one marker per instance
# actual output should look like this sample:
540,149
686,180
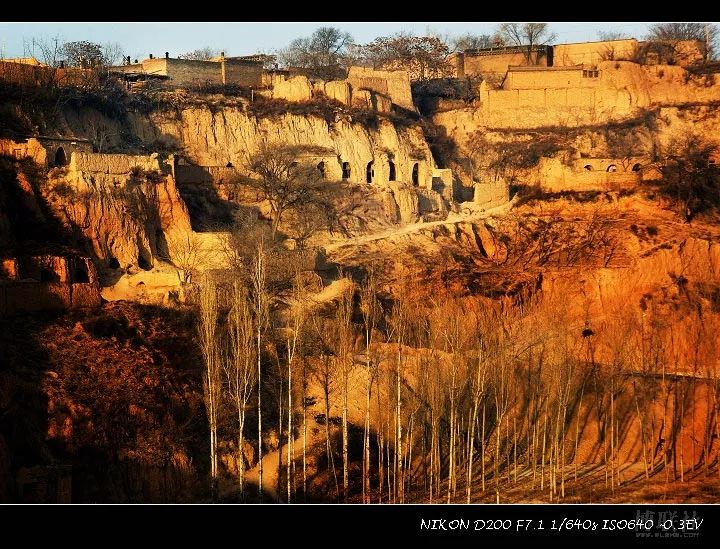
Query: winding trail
421,225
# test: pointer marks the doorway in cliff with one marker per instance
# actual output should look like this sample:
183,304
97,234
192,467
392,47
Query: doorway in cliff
80,274
392,175
60,157
416,174
321,169
369,172
346,170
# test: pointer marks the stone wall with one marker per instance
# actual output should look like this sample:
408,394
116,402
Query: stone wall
493,62
39,75
622,89
59,151
491,194
187,72
243,73
592,53
586,174
393,84
573,101
539,78
118,164
44,151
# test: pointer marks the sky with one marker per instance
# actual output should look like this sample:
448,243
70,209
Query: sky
140,39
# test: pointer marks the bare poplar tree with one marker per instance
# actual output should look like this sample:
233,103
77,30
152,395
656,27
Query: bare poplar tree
345,339
371,311
208,332
261,307
240,368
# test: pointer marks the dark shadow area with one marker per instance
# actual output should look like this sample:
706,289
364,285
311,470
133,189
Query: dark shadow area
78,421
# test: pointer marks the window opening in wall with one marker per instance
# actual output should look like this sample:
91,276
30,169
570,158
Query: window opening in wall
392,171
636,167
47,275
612,168
369,172
321,169
588,167
416,174
346,170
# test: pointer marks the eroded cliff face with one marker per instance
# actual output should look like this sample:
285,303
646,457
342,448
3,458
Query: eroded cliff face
125,208
388,171
216,137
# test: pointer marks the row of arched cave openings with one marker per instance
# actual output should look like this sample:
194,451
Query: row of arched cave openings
370,172
613,168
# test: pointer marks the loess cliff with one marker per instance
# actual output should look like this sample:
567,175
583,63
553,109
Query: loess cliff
505,296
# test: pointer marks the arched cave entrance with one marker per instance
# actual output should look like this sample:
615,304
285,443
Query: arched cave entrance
369,172
80,274
113,263
612,168
416,174
392,175
60,157
144,263
346,170
588,167
636,167
321,169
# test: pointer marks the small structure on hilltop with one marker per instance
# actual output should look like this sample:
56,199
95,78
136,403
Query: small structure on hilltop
489,62
243,71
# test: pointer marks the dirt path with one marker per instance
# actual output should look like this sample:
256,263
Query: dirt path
414,227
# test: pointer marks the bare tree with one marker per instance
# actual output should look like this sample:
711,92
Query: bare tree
188,253
528,35
707,34
261,310
690,178
208,332
51,50
423,56
345,339
324,54
297,320
283,179
469,41
371,311
101,135
608,36
83,54
239,366
200,54
112,54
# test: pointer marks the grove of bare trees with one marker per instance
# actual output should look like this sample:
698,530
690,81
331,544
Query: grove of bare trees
455,399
